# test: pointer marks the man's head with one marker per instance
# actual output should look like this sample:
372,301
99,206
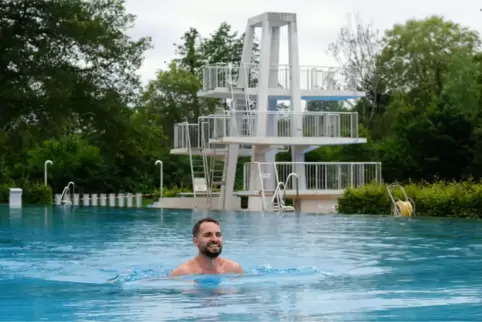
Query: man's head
206,235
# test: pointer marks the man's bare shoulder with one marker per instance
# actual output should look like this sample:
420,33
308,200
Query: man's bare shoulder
231,266
183,269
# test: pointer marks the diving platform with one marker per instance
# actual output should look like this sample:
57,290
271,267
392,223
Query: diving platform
316,83
250,121
219,153
293,194
289,141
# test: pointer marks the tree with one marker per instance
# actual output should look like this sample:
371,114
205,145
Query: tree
65,67
439,135
173,94
356,50
415,56
172,98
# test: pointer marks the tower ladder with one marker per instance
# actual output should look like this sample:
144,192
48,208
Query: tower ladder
198,168
217,170
241,104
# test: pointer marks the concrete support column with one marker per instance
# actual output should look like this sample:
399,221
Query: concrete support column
238,120
297,154
272,119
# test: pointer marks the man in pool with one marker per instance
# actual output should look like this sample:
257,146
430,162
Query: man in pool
206,235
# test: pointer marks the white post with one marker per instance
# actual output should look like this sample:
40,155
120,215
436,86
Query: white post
160,177
86,199
111,199
121,200
58,197
139,200
15,198
94,199
103,199
129,200
45,170
76,199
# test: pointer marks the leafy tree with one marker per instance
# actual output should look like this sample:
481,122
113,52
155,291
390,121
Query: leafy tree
415,56
356,50
66,68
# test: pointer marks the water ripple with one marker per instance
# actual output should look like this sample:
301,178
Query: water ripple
55,265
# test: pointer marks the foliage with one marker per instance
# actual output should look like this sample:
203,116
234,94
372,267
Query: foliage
440,199
33,193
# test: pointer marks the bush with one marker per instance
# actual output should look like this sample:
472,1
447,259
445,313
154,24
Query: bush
170,192
441,199
33,193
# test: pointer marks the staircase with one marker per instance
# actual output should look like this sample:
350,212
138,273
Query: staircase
217,170
239,105
198,167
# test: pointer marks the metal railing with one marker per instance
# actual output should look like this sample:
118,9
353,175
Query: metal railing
185,133
319,175
275,124
209,127
285,123
66,198
311,77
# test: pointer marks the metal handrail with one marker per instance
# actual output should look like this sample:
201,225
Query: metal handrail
291,175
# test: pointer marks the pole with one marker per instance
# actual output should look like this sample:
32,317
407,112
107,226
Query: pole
160,176
45,170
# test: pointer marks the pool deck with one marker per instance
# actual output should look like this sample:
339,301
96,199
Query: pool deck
309,200
302,194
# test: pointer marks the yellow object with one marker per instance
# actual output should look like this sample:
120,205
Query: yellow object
405,208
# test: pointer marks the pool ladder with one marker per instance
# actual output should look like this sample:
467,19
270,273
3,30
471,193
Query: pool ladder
395,209
279,195
66,197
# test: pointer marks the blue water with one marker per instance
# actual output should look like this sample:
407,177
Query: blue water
55,263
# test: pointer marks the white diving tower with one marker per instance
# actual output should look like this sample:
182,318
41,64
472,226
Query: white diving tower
216,141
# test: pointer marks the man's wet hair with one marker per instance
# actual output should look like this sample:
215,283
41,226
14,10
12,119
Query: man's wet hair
195,228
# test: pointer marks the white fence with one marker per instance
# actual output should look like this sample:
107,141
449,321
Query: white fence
120,200
285,124
311,77
319,175
276,124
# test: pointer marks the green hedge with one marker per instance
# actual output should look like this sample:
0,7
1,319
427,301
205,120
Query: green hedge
33,193
440,199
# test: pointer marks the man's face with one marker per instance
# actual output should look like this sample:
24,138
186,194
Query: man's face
209,241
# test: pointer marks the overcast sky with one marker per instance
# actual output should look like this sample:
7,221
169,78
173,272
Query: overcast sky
318,21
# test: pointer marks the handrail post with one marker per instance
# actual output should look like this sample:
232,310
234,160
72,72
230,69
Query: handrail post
160,177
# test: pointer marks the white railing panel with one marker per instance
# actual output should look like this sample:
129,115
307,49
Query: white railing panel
213,126
322,78
185,131
283,124
319,175
276,124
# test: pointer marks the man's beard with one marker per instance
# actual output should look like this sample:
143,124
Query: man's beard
210,253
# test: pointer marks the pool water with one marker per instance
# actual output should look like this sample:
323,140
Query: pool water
55,263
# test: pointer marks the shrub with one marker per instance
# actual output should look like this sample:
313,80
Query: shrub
170,192
441,199
33,193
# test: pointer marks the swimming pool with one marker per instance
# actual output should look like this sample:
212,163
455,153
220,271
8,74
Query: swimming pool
54,264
